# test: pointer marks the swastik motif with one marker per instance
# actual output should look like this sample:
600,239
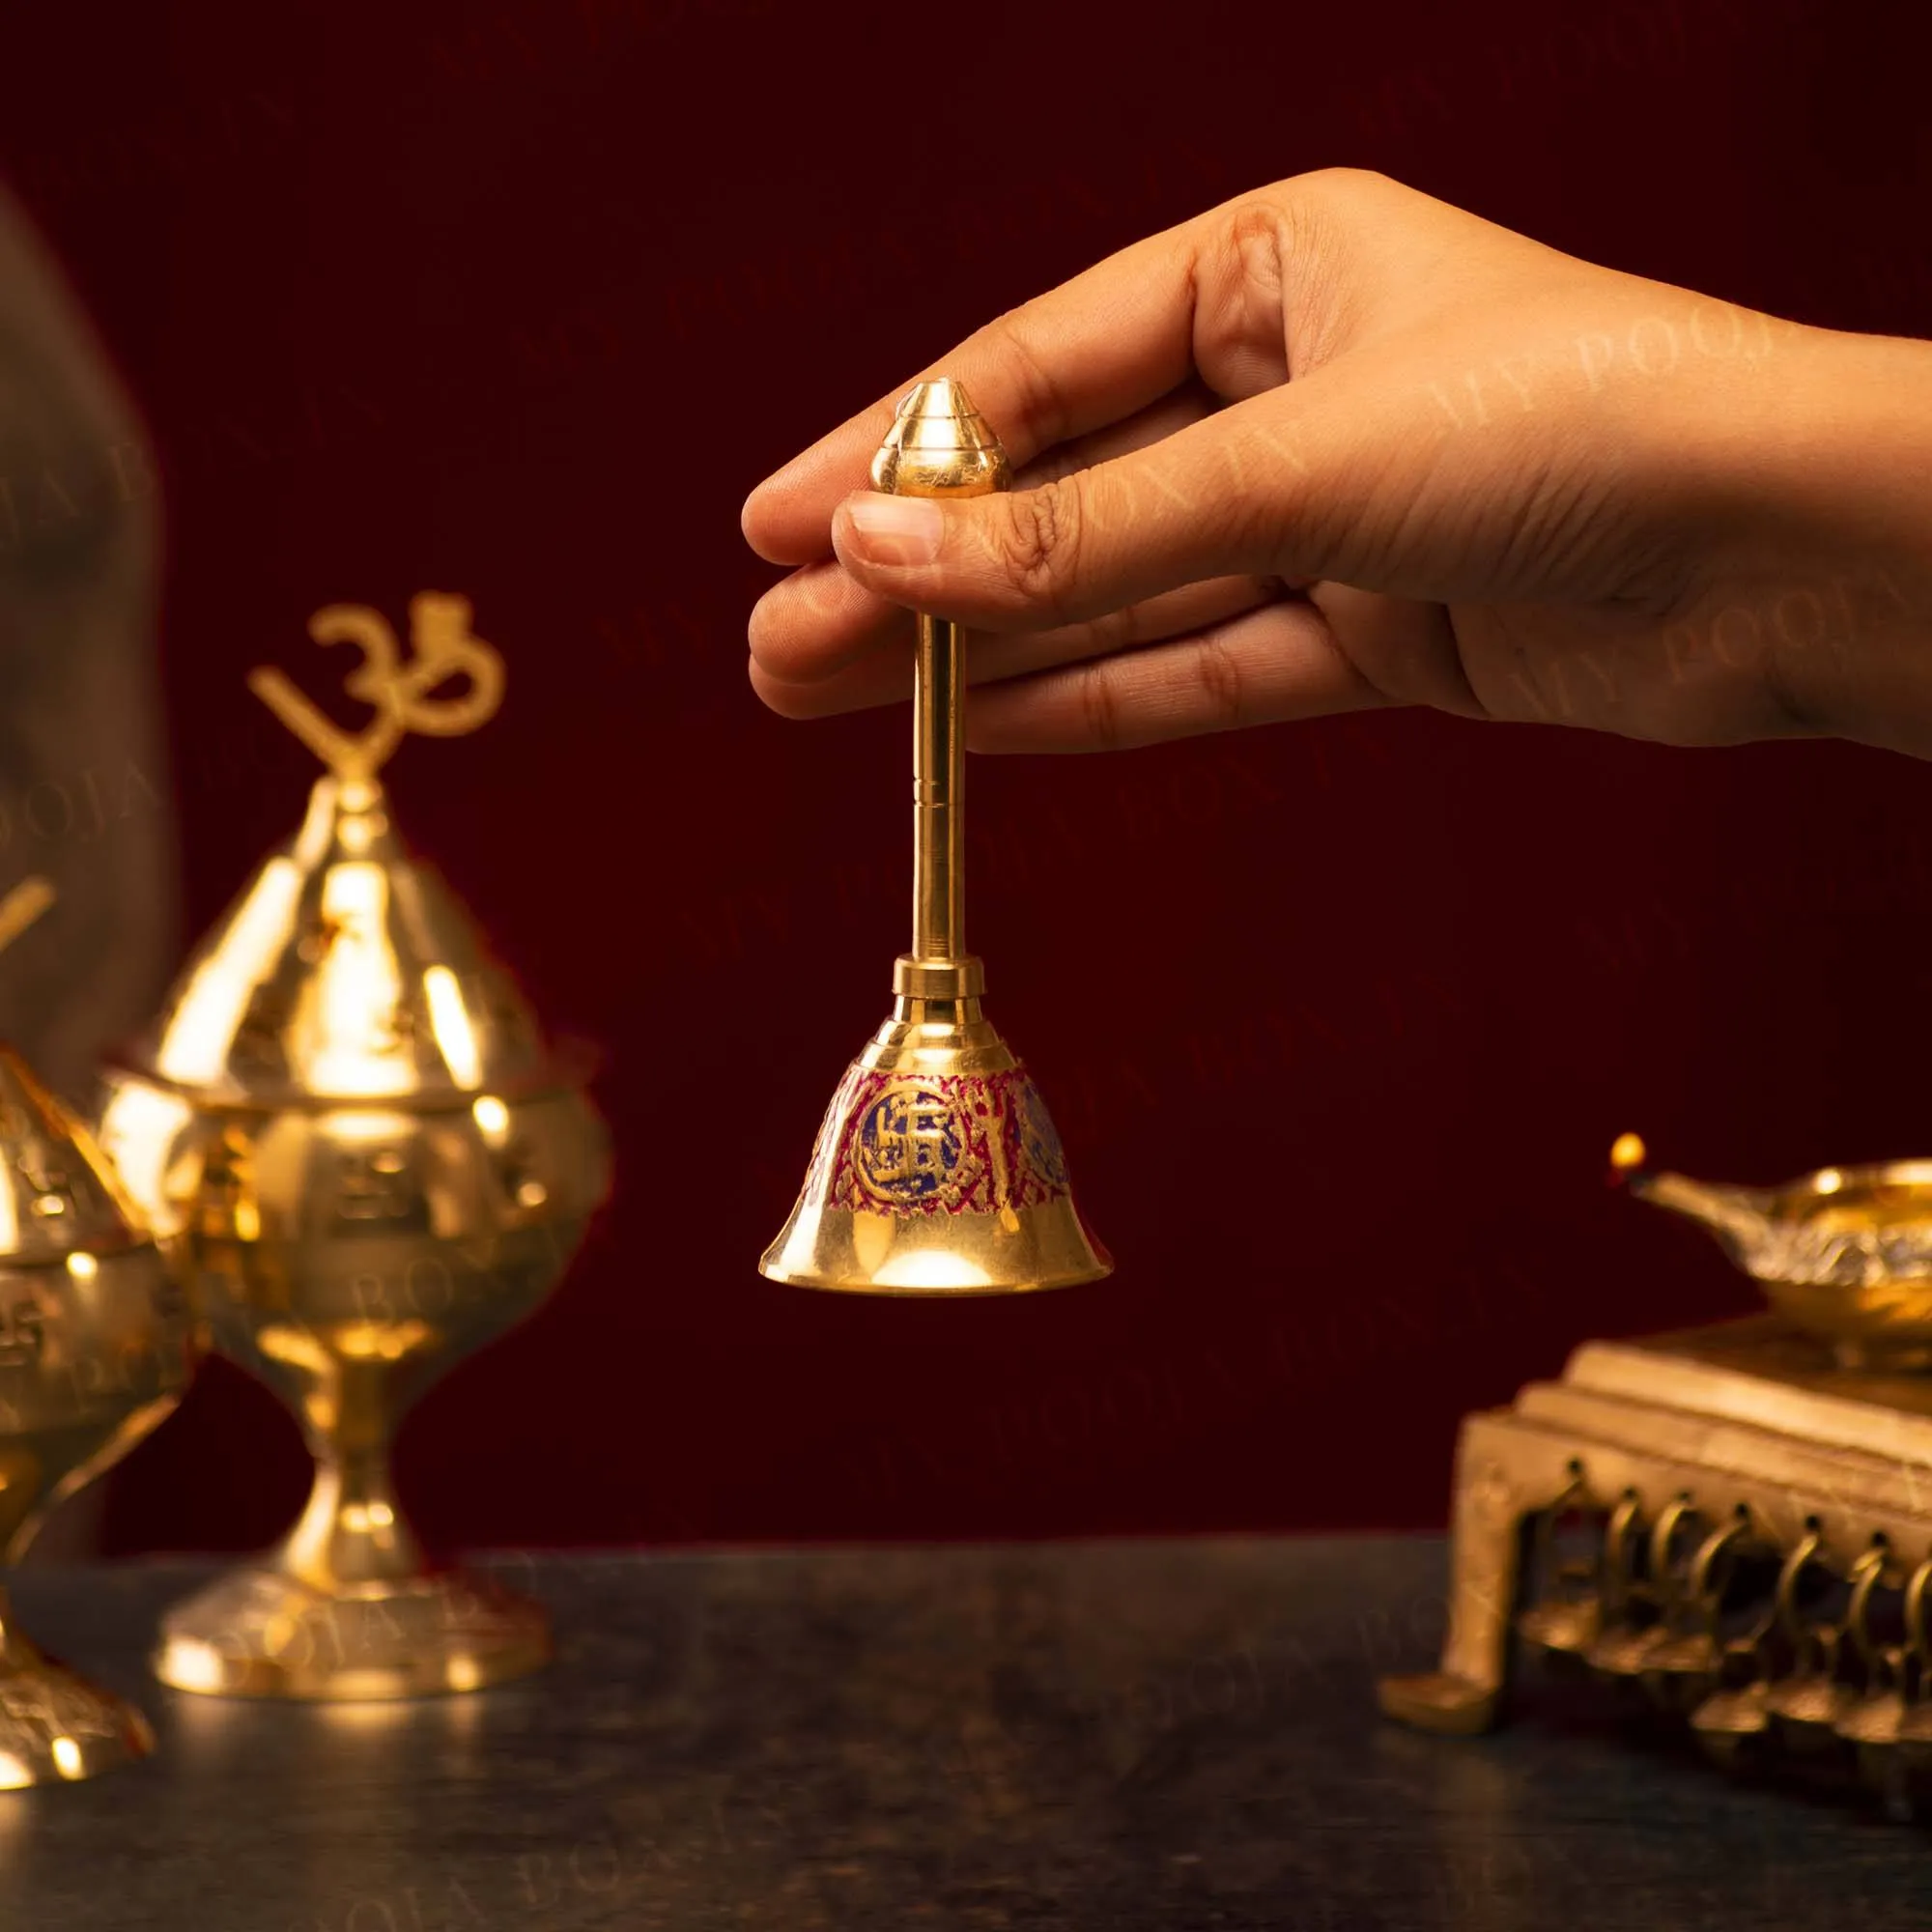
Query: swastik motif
910,1144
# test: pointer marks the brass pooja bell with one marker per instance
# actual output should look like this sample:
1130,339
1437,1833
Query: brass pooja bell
95,1349
375,1165
1761,1491
937,1169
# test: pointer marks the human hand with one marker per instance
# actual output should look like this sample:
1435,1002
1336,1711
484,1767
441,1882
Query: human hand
1336,445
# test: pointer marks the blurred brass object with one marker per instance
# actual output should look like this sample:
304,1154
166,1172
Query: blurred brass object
937,1169
1635,1603
1691,1652
1568,1618
1875,1723
1807,1486
1846,1253
1798,1444
1729,1724
375,1165
21,907
95,1348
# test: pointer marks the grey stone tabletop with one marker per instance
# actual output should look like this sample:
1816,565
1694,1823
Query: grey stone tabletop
1110,1735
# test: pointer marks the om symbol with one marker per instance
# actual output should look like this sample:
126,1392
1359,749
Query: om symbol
907,1149
443,646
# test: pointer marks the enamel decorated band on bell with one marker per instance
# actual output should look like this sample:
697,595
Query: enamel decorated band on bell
95,1348
374,1165
937,1169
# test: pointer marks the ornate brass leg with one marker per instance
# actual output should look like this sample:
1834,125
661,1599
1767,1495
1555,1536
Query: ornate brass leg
1465,1694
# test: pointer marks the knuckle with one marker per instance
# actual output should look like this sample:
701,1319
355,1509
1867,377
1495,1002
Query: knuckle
1099,707
1219,673
1041,403
1254,219
1038,540
1276,264
1342,180
1253,246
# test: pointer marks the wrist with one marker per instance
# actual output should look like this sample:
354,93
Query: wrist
1831,556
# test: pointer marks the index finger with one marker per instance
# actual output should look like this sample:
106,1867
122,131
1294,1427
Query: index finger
1114,339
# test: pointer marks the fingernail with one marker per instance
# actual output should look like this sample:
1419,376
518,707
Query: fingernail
894,530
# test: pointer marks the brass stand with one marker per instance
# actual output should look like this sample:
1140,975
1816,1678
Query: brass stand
266,1633
1761,1524
374,1165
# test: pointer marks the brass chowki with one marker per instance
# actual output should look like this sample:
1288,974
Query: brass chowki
374,1164
937,1169
95,1348
1734,1520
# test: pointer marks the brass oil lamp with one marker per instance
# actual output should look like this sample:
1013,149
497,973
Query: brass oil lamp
937,1169
375,1165
95,1348
1845,1253
1733,1521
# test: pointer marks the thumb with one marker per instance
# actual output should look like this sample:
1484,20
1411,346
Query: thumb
1286,484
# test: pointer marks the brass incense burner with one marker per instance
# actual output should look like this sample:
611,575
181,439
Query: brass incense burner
95,1349
937,1169
1734,1522
374,1165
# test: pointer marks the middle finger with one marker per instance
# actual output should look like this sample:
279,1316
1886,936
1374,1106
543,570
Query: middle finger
884,677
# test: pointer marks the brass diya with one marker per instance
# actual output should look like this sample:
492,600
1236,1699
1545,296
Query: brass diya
375,1166
937,1169
95,1349
1735,1522
1845,1252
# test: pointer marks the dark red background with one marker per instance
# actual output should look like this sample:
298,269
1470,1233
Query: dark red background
1338,1019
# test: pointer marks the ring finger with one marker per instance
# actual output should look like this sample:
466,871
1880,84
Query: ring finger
884,677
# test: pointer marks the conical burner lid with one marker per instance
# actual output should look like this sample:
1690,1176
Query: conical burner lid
59,1195
346,971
